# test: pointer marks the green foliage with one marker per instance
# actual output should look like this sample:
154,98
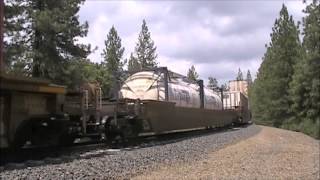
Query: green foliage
113,64
103,77
41,37
270,102
213,84
305,85
15,38
240,75
113,52
133,64
81,71
145,50
286,91
192,74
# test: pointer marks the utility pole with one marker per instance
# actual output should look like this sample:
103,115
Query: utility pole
1,35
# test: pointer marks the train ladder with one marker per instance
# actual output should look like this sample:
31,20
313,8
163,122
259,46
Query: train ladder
98,105
84,109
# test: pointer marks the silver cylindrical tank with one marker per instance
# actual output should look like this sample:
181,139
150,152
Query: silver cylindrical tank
148,85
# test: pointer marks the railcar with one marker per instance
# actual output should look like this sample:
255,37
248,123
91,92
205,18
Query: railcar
162,101
156,101
35,112
30,110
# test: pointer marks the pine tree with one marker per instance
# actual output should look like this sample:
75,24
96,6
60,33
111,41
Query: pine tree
45,33
192,74
82,71
213,84
145,50
113,52
133,64
240,75
269,97
113,64
249,78
15,38
305,84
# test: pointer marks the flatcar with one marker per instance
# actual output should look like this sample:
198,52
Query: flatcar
163,101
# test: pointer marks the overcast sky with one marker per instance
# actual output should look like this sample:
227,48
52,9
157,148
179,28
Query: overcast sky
218,37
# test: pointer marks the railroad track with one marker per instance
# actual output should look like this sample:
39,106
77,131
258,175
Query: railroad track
31,157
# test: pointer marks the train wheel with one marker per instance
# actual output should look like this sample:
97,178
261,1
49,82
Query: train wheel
66,140
19,142
22,135
110,133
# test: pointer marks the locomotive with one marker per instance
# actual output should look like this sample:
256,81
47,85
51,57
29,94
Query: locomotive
151,102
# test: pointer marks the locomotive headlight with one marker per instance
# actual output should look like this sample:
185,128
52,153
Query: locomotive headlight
44,124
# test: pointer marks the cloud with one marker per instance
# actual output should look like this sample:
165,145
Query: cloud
217,37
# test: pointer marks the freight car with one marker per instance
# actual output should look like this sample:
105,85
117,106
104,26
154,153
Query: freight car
163,101
30,110
34,112
151,102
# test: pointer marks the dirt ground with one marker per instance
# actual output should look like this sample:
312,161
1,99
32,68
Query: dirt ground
271,154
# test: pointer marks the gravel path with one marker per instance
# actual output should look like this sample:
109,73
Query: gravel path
126,163
271,154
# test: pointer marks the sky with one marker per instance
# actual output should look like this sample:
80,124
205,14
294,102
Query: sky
217,37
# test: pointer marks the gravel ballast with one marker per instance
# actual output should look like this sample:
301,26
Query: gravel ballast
271,154
126,163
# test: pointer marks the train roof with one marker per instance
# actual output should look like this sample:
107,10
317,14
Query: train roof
28,84
172,75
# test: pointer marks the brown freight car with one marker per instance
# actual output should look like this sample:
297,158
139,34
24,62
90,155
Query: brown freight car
26,105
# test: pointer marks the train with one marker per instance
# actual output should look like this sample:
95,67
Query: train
35,112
